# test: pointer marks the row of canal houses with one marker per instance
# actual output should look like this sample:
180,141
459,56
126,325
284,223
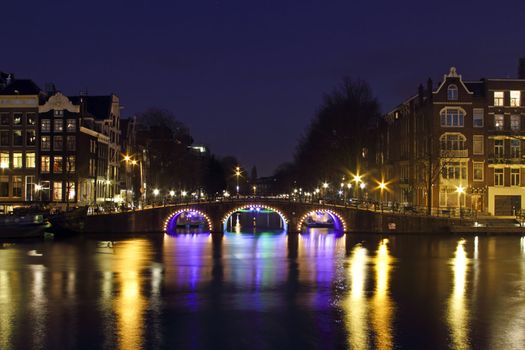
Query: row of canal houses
458,144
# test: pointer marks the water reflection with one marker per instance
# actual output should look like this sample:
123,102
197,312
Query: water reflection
458,315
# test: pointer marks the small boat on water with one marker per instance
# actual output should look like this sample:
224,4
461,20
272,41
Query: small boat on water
69,222
25,226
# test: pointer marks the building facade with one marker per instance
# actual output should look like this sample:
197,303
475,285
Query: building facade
458,145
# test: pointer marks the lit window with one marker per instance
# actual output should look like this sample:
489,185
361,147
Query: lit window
4,160
498,98
454,117
71,192
17,138
514,177
30,160
30,138
31,118
57,164
515,122
59,125
452,92
71,125
478,171
45,125
455,171
17,160
515,149
17,119
477,117
45,143
71,164
498,177
515,100
57,191
45,164
498,122
499,148
477,147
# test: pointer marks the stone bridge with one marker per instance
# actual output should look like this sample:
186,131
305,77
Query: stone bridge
293,215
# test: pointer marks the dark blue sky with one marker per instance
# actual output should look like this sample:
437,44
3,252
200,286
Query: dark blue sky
247,76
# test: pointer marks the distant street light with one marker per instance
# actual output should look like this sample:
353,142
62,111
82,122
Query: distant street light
156,192
460,190
172,193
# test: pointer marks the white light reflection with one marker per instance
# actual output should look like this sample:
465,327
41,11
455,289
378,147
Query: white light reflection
476,247
38,306
7,313
458,318
355,304
522,244
382,306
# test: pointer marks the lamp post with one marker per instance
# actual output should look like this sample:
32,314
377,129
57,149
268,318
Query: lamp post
357,180
155,193
382,187
460,190
237,174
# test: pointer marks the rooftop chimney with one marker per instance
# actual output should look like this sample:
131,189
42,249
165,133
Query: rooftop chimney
521,68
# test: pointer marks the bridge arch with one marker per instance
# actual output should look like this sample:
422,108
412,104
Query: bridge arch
255,207
172,218
339,221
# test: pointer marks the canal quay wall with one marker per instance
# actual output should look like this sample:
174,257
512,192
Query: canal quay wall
153,220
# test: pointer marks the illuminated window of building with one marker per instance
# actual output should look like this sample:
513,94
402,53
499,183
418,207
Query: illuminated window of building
17,186
455,171
71,191
4,160
498,177
515,148
515,122
30,188
59,125
45,143
17,138
477,117
17,160
17,119
452,117
58,164
515,98
452,142
45,125
58,143
499,122
5,138
4,186
31,119
477,144
71,164
30,160
71,125
57,191
45,164
499,150
30,138
498,98
514,177
452,92
478,171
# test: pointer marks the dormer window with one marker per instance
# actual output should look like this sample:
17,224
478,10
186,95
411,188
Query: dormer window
452,93
59,113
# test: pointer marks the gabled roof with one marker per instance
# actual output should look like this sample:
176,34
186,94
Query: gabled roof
21,87
98,107
452,74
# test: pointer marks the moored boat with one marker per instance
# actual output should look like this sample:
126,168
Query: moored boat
69,222
26,226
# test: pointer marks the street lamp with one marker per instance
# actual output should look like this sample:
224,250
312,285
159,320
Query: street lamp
237,174
382,187
254,190
460,190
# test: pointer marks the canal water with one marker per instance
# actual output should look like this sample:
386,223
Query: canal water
316,290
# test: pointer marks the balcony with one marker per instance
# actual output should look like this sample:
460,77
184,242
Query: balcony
458,153
504,159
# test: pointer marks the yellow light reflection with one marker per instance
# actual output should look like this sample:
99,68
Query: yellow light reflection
130,303
7,314
355,304
382,305
457,310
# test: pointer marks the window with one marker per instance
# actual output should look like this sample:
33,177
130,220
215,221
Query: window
71,143
17,138
452,92
30,160
30,188
17,186
70,165
45,162
5,139
4,160
514,177
93,146
30,137
478,170
44,191
57,164
31,119
92,167
45,143
452,142
515,122
58,113
71,192
452,117
59,125
499,148
4,186
17,119
498,98
455,171
58,143
498,122
71,125
477,117
477,147
498,177
57,191
515,148
17,160
45,125
4,119
515,98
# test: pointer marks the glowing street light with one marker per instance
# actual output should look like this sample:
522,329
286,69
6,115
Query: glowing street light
460,190
156,192
127,158
172,193
184,193
325,185
254,190
362,185
382,187
237,174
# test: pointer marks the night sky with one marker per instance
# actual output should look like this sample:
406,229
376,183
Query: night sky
247,76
